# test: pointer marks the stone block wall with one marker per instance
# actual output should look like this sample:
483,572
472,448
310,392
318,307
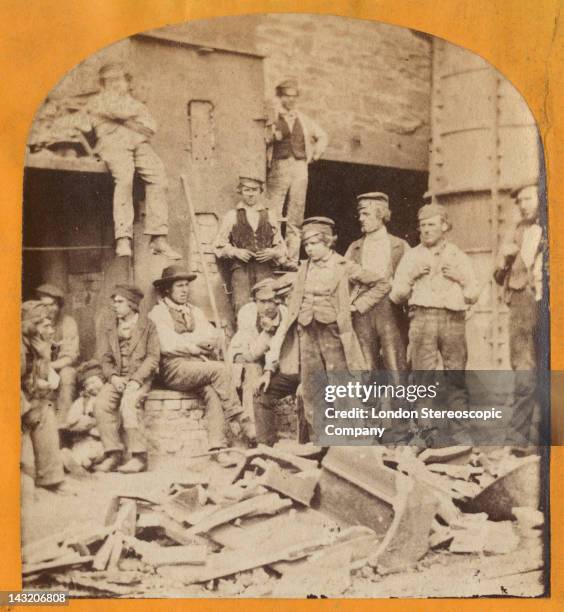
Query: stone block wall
367,83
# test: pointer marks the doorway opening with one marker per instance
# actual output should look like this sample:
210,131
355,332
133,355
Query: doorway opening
333,187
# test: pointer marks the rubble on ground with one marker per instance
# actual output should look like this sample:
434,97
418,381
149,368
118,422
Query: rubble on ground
295,521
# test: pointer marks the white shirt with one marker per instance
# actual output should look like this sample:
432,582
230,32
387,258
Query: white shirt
530,244
377,252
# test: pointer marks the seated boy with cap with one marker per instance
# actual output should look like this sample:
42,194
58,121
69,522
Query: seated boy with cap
249,237
128,346
85,449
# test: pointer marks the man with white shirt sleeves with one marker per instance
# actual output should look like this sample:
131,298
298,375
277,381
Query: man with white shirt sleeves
438,282
187,343
256,349
519,271
249,237
376,320
294,140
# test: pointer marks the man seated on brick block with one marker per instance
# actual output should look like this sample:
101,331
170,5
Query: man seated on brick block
255,349
128,347
65,348
187,342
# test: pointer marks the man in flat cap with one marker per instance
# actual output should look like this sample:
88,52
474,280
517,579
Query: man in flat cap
437,280
376,320
128,347
249,237
319,337
519,270
255,350
65,347
188,343
38,380
123,127
294,140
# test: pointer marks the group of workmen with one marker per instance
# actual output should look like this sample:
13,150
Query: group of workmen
381,306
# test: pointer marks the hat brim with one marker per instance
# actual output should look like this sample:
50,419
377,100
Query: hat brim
162,282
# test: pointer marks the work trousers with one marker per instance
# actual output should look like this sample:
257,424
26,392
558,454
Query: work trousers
378,330
65,394
321,354
45,441
435,332
212,380
123,160
287,181
280,386
523,321
116,411
243,278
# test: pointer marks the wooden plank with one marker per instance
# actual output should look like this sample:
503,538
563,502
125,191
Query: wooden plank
271,503
102,557
63,562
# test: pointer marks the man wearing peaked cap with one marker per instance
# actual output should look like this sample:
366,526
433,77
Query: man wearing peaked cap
66,347
123,127
437,280
255,351
249,239
319,338
188,342
294,140
519,270
128,346
85,448
376,320
37,380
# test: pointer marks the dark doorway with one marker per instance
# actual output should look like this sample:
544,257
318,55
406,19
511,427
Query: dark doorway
333,187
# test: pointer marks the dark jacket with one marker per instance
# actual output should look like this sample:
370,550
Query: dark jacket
365,297
289,355
144,350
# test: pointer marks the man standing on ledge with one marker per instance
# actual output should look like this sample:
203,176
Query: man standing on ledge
294,141
519,270
65,348
438,282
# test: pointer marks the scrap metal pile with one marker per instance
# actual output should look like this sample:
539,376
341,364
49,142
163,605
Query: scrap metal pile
298,522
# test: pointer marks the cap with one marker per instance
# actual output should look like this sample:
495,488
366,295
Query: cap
129,292
373,196
173,273
317,225
432,210
33,310
264,289
50,291
289,87
87,369
248,180
283,285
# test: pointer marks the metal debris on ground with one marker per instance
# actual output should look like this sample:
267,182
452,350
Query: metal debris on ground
281,524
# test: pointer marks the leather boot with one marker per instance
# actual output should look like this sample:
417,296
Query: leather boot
137,463
159,246
110,463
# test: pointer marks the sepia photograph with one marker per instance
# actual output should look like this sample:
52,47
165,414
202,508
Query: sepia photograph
285,322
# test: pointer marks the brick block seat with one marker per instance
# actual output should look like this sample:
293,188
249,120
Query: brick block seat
175,425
